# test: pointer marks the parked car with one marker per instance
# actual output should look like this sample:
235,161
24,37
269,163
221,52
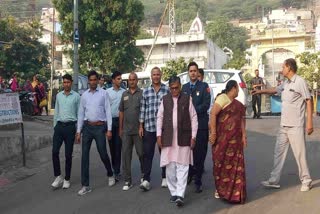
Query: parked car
217,80
144,79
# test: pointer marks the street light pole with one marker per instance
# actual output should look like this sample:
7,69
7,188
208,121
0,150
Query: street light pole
76,40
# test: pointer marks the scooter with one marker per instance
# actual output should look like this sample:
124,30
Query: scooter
27,102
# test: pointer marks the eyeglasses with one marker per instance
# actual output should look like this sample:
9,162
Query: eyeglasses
174,88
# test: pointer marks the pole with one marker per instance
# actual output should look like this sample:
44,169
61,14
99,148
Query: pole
172,25
23,148
76,40
155,38
274,84
52,58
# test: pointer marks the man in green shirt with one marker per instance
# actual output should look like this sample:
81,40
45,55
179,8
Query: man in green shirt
129,110
65,120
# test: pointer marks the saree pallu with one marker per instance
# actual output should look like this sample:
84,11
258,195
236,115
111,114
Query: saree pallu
227,154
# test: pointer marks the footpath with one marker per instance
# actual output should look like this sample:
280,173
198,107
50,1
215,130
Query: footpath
38,138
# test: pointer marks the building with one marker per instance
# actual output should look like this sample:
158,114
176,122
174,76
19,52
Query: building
193,45
281,34
51,26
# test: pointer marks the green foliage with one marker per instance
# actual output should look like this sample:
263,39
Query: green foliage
294,3
241,9
174,67
224,34
309,68
237,62
186,10
23,10
144,35
247,78
24,54
107,32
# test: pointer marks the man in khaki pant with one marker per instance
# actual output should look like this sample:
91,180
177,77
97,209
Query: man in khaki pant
296,99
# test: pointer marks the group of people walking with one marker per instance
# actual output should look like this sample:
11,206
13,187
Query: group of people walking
176,119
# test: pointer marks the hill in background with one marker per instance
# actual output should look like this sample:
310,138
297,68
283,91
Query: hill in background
186,10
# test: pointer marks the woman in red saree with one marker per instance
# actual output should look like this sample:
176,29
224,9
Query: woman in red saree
228,139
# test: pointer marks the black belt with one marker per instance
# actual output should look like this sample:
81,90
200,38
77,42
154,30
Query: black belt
69,123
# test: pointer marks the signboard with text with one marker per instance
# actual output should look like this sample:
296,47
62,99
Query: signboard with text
10,111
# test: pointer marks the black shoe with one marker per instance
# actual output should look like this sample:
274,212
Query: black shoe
189,180
254,116
259,117
117,177
179,201
173,199
198,189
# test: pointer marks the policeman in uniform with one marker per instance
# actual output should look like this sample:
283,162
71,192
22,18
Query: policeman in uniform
295,100
200,93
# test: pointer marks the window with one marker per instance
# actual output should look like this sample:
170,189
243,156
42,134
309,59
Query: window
209,77
184,78
221,77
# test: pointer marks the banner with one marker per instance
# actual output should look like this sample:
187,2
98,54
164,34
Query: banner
10,110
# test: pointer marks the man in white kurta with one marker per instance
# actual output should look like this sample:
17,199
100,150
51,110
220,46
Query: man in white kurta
176,158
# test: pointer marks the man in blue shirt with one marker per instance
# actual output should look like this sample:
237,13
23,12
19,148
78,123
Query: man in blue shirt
93,118
200,93
115,143
65,119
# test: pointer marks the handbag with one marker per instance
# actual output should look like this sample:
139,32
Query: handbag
43,102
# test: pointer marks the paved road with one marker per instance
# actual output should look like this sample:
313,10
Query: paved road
27,190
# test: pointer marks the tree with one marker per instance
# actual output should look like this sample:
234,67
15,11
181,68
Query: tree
241,9
107,32
144,35
294,3
187,10
174,67
224,34
22,53
309,68
237,62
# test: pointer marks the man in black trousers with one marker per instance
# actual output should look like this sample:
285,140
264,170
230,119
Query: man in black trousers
200,93
256,84
65,120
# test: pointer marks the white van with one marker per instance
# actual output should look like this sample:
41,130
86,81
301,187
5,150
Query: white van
217,80
144,79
